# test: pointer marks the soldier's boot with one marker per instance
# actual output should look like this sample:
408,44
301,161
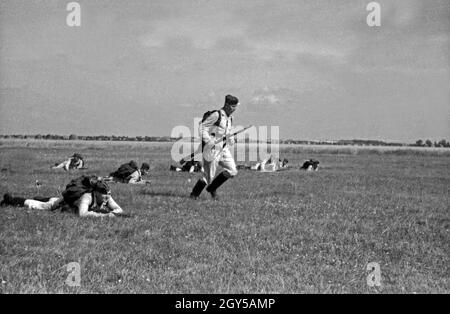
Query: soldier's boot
5,200
8,200
198,188
217,182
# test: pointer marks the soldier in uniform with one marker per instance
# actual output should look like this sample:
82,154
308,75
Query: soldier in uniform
129,173
310,165
271,164
73,163
188,166
215,125
86,196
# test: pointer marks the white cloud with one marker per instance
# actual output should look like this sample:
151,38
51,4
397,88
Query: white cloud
186,105
270,99
270,49
207,28
204,30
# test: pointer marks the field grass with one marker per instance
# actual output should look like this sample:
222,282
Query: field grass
289,232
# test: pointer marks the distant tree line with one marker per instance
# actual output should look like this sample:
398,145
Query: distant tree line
419,143
428,143
72,137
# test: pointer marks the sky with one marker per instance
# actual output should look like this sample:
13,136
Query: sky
313,68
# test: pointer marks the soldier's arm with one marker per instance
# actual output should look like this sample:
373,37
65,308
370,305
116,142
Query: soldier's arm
83,207
80,164
114,207
61,165
64,165
206,125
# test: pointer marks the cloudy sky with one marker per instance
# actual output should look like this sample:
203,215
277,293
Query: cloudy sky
314,68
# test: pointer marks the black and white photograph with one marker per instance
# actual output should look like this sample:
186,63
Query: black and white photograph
224,152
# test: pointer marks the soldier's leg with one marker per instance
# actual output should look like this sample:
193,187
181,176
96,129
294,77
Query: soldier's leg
209,171
58,166
9,200
230,171
228,164
50,205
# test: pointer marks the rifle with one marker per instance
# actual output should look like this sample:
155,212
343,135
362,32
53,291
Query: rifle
122,215
103,210
224,139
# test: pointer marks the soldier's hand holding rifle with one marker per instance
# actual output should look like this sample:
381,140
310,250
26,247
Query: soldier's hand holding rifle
211,147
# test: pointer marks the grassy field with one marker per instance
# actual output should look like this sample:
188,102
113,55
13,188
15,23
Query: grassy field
289,232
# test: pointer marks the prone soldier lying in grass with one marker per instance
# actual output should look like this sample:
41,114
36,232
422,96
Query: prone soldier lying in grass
189,166
130,173
271,164
310,165
87,196
75,162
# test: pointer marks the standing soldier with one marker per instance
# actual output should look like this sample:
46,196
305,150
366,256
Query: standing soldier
215,125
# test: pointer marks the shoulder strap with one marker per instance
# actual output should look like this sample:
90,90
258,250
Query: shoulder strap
208,113
217,123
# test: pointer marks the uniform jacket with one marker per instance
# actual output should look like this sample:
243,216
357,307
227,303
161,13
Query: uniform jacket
209,130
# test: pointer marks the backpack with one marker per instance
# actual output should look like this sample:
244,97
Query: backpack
208,113
76,188
124,171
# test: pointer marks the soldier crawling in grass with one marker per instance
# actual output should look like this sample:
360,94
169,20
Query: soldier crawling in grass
188,166
75,162
310,165
215,125
130,173
87,196
271,164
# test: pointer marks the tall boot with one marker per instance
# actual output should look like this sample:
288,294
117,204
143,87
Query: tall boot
8,200
217,182
198,188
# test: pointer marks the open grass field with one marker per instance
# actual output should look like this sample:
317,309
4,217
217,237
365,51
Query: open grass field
288,232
